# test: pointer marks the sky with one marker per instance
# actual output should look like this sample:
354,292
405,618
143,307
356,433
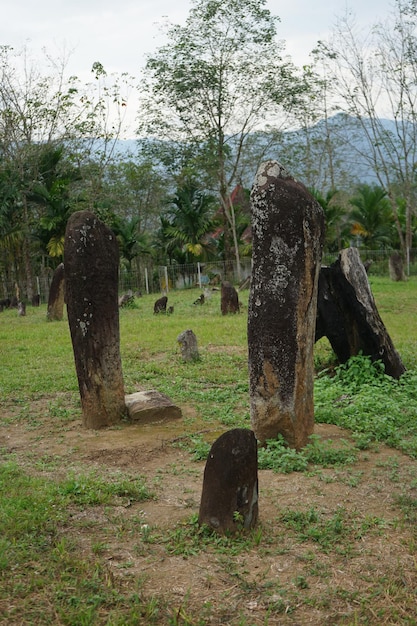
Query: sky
120,34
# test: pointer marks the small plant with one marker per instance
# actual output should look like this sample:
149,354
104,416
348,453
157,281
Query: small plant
276,455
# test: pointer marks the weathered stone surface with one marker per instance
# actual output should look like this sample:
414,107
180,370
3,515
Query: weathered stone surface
151,406
229,299
21,308
288,233
347,314
56,300
126,299
91,269
229,499
188,345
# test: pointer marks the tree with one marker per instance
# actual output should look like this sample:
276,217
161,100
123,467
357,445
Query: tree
372,217
337,231
39,114
374,77
219,77
190,221
51,195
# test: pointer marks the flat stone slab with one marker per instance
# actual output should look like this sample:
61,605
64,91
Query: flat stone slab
151,406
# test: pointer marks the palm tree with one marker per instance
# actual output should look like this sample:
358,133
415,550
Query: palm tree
371,218
191,222
51,195
335,219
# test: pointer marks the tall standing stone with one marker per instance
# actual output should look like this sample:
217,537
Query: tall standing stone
56,299
288,233
91,282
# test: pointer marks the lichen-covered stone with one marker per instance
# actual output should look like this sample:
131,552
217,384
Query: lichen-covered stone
288,233
91,269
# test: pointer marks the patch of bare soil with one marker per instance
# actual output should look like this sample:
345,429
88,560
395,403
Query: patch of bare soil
365,573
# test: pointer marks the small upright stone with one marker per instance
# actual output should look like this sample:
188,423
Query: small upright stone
229,499
160,305
229,299
288,233
56,299
91,270
188,345
396,267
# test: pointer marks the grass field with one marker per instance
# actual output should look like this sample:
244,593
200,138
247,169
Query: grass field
99,527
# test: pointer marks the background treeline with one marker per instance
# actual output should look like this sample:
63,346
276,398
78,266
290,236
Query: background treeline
209,106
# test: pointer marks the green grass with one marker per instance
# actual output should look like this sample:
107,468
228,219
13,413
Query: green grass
61,517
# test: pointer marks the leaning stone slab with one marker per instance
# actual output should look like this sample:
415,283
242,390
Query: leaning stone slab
288,234
348,316
229,500
151,406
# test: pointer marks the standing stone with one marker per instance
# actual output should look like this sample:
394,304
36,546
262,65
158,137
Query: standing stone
288,233
56,299
229,499
21,308
229,299
188,345
160,305
91,285
396,267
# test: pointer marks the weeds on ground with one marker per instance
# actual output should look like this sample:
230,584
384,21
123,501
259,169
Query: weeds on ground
373,406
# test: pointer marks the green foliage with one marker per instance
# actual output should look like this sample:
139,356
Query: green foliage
93,490
374,406
276,455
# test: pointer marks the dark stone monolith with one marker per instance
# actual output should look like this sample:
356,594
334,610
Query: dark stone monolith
229,499
288,233
347,314
91,268
56,299
396,267
229,299
160,305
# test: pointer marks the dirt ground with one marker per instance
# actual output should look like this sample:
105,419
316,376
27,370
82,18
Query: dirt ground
369,577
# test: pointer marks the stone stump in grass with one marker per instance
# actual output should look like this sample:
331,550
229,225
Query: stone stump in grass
188,345
396,267
287,241
56,299
91,269
229,299
229,499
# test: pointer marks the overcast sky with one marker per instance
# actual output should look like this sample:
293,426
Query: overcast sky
120,33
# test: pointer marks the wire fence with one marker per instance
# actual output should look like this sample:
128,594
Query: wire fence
162,279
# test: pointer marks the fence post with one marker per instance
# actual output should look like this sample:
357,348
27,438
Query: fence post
146,280
199,273
166,279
